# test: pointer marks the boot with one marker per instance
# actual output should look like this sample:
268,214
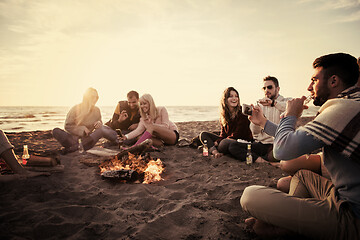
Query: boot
146,135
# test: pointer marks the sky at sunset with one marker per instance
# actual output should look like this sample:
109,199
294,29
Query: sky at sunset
182,52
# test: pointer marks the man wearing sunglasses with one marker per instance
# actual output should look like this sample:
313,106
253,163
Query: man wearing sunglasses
273,104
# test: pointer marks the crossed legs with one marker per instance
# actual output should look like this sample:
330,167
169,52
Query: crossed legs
309,209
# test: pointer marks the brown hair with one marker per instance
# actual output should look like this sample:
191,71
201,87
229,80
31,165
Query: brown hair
132,94
271,78
342,65
225,114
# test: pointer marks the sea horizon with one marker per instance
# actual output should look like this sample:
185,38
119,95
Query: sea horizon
34,118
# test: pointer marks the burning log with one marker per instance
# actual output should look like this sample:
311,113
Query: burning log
38,161
136,149
132,167
122,174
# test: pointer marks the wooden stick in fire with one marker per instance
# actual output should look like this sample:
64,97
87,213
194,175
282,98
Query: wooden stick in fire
136,149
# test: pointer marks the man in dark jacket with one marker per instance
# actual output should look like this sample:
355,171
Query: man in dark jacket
126,116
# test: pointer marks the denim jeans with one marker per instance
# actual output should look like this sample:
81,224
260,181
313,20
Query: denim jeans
68,140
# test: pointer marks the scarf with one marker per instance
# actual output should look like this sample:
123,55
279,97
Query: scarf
338,126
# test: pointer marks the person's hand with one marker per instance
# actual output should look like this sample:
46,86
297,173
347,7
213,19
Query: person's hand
122,138
149,124
257,117
123,116
97,125
295,107
86,131
148,120
217,154
266,101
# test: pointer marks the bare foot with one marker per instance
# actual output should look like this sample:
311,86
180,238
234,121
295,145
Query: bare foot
249,222
261,160
275,164
265,230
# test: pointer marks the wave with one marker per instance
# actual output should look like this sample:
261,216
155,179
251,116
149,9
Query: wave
16,128
19,117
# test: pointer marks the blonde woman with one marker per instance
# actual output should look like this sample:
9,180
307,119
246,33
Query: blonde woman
83,121
154,123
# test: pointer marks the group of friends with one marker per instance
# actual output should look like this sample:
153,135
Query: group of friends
133,121
321,197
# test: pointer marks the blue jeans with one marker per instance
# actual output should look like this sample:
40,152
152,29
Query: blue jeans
68,140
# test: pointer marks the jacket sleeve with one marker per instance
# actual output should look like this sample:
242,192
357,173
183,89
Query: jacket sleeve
270,128
290,143
139,130
223,134
113,122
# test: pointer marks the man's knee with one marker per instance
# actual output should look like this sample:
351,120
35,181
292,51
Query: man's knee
58,133
283,184
251,196
203,136
232,147
303,173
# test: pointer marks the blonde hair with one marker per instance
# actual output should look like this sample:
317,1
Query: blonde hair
152,108
86,106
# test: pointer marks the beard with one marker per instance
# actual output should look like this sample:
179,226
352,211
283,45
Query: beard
273,96
318,101
322,96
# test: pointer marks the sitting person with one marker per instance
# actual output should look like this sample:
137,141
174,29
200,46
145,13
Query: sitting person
234,125
155,124
313,162
273,104
83,121
315,206
126,116
8,155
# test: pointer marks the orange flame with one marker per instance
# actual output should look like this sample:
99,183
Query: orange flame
152,169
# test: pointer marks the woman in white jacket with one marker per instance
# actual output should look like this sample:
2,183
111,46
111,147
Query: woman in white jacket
154,123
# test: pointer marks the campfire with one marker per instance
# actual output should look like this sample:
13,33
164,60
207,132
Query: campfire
131,167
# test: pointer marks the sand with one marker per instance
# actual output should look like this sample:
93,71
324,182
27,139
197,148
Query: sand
198,197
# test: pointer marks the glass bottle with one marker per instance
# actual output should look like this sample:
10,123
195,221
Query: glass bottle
25,155
81,147
249,159
205,149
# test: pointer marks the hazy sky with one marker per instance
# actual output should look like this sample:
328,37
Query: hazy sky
182,52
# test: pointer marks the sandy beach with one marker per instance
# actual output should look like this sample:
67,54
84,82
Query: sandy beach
198,197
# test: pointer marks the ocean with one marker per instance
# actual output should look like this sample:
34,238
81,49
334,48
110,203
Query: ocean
19,119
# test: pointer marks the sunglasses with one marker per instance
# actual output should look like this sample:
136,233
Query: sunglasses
268,87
